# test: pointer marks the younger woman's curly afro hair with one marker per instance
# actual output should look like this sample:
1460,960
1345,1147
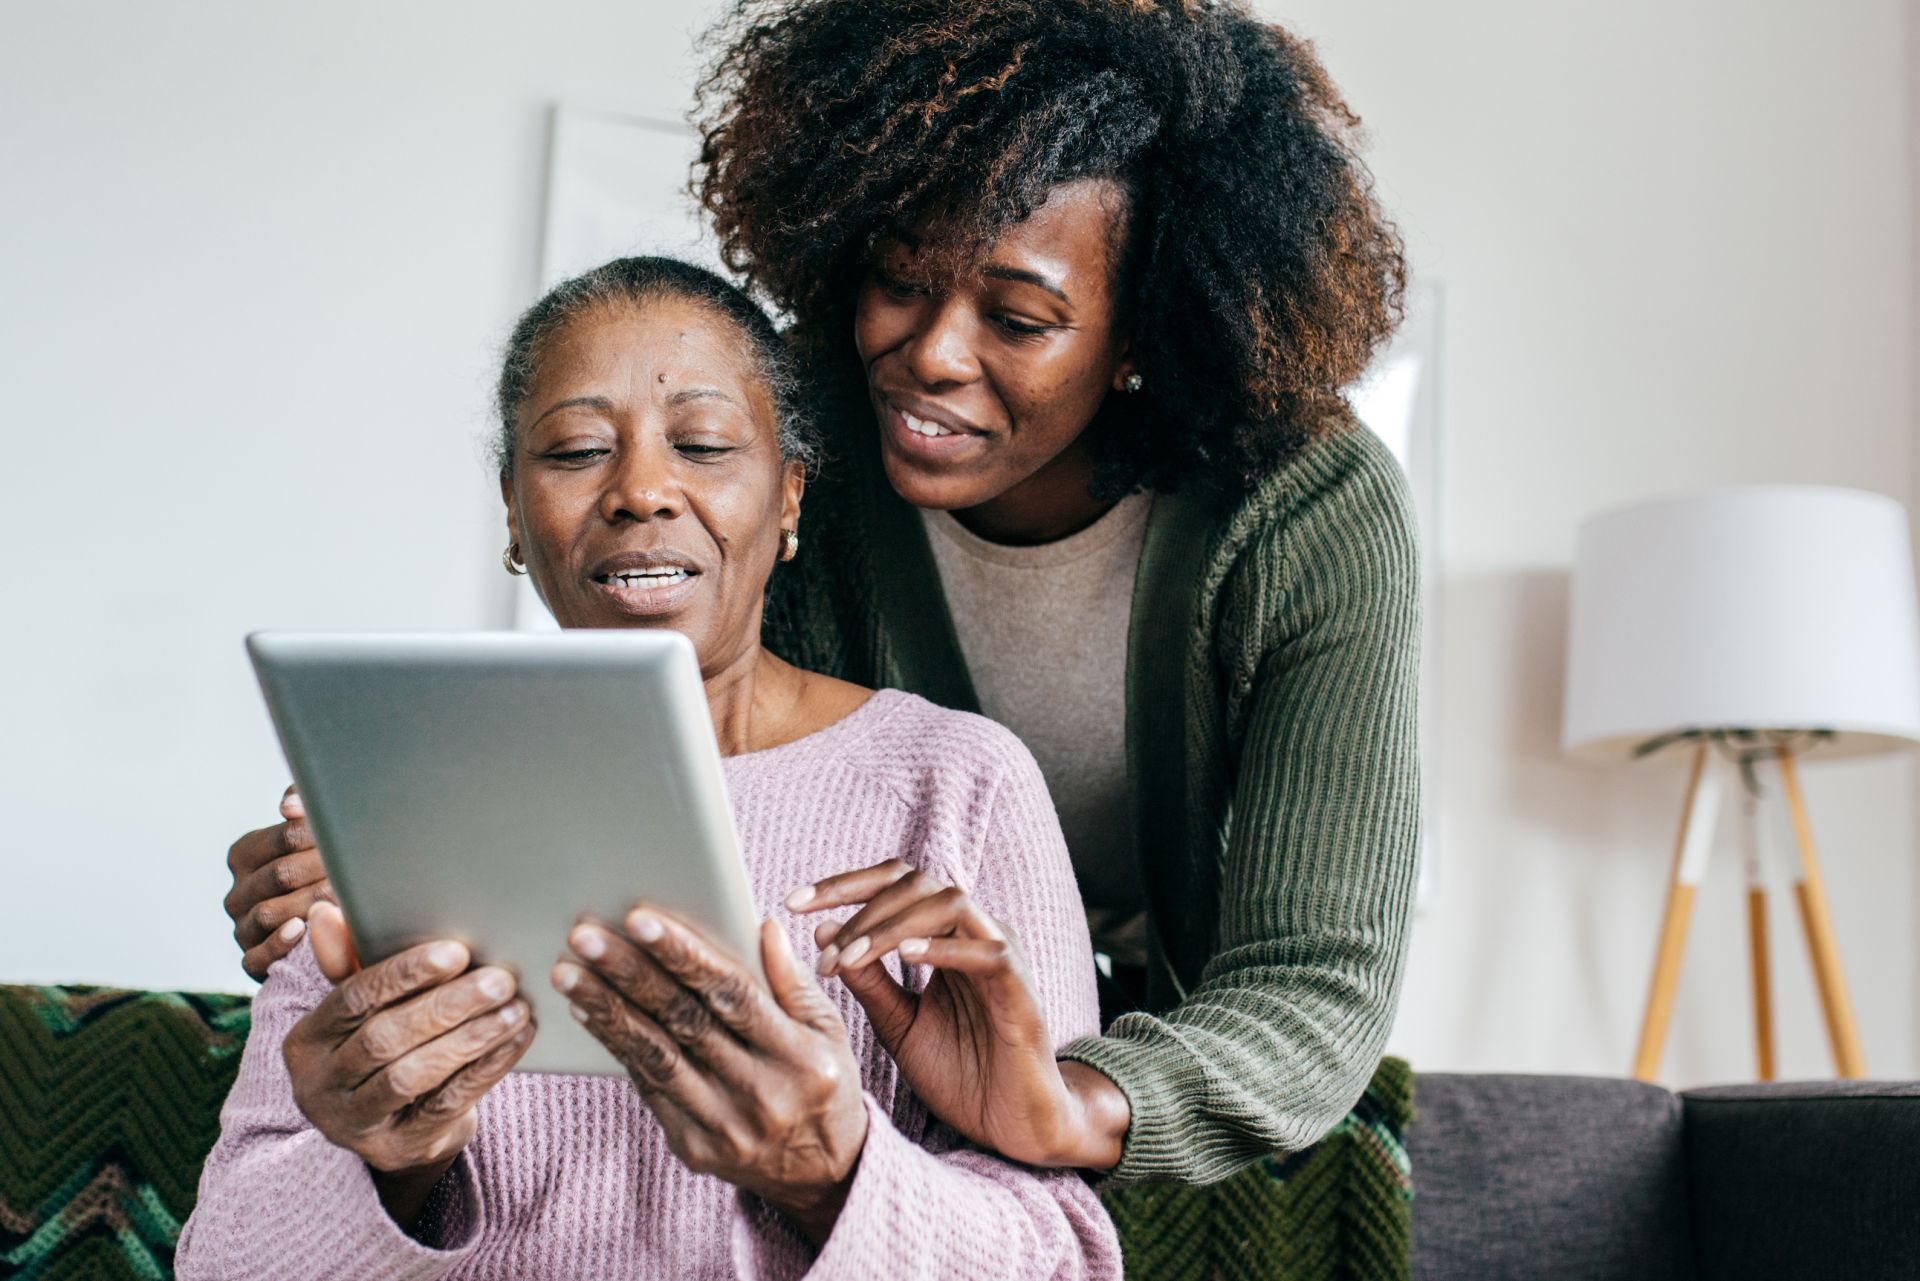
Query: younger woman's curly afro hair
1258,274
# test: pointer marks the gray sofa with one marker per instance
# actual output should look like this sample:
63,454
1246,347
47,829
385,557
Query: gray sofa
1556,1178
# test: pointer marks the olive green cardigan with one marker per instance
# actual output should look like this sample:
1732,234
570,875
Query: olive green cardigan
1272,674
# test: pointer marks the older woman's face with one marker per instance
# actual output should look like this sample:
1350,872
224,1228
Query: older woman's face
648,488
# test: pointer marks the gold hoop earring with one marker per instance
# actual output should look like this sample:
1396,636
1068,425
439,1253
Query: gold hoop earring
789,544
511,559
1133,382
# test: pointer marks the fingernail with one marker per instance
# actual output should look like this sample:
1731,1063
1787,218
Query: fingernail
855,950
293,929
577,1013
912,947
566,978
801,897
589,944
512,1014
645,927
520,1037
496,985
827,958
444,956
293,807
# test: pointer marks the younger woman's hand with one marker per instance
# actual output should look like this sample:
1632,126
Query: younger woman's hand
277,878
756,1086
974,1043
392,1063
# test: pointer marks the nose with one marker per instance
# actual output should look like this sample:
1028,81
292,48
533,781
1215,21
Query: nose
941,352
641,485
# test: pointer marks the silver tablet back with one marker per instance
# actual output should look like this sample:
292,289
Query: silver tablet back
491,787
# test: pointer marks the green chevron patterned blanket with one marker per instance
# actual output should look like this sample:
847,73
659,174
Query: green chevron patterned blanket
110,1101
1340,1211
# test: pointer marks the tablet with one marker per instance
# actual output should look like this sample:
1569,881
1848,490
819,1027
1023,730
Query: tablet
490,787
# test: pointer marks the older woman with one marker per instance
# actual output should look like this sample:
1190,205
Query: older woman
1081,284
653,471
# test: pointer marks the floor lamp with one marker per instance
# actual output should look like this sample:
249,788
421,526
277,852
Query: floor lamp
1745,630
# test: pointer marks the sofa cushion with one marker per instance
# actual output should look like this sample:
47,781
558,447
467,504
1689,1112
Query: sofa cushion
1525,1177
1810,1180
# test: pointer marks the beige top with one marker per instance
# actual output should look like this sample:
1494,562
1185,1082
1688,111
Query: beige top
1044,634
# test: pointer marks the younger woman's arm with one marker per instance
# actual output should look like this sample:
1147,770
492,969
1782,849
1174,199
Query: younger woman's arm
921,1204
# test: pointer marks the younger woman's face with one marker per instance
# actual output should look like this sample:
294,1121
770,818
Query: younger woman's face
648,488
981,386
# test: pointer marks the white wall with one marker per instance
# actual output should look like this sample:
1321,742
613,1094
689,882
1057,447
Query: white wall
256,266
1675,243
1913,358
257,261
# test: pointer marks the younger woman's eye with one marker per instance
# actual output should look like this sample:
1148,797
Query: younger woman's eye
895,286
1021,327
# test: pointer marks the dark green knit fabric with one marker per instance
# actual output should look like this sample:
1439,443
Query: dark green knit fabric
109,1103
1340,1211
1272,728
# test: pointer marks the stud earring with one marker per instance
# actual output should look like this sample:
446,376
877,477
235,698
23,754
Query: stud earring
1133,382
511,559
789,544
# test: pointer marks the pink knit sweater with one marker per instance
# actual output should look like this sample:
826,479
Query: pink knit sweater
570,1177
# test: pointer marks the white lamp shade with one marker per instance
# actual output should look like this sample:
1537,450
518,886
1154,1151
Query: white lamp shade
1773,607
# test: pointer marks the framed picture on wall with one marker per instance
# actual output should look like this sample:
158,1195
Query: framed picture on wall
616,186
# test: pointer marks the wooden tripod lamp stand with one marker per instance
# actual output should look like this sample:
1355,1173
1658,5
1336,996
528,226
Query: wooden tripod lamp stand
1750,628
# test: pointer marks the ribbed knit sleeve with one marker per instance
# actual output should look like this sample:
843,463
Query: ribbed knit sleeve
277,1200
930,1208
1278,1038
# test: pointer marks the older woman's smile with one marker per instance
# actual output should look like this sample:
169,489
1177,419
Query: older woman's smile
646,584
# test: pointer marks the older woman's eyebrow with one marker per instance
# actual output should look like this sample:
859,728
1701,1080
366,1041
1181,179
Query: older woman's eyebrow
600,403
686,394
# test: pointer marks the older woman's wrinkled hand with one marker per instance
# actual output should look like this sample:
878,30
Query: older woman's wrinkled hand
391,1064
754,1083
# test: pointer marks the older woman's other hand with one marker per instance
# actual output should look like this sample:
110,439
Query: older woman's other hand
974,1043
277,878
391,1064
757,1086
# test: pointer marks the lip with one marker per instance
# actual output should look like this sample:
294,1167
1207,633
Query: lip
645,601
934,449
928,410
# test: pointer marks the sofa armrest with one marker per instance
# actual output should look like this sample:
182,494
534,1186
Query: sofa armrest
1809,1180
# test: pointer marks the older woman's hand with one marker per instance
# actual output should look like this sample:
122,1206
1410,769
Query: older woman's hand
277,878
974,1043
391,1064
757,1086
